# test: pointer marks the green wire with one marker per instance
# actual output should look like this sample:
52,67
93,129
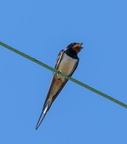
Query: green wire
64,75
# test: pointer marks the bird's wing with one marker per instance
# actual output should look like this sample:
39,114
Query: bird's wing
55,75
54,85
59,58
47,105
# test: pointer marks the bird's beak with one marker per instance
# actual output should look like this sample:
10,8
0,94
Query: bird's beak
79,45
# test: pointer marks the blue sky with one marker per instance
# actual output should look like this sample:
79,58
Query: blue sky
41,29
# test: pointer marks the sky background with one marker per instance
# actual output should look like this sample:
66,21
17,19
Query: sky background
41,29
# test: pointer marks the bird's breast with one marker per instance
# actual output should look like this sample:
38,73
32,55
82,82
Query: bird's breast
67,64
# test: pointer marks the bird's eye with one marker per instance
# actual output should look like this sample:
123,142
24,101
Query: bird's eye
73,44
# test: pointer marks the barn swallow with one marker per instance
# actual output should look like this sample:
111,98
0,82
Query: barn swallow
66,63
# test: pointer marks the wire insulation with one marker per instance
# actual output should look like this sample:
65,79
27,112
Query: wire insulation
64,75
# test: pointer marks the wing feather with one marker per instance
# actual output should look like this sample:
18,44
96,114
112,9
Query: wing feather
59,58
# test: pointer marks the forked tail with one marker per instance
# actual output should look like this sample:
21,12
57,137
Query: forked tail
42,116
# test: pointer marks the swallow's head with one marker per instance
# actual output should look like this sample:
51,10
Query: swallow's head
75,46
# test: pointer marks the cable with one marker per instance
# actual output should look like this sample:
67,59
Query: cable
64,75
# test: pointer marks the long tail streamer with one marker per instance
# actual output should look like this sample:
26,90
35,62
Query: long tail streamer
42,116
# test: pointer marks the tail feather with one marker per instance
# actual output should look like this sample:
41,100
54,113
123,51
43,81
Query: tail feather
42,116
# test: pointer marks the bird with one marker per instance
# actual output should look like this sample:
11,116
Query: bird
67,62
